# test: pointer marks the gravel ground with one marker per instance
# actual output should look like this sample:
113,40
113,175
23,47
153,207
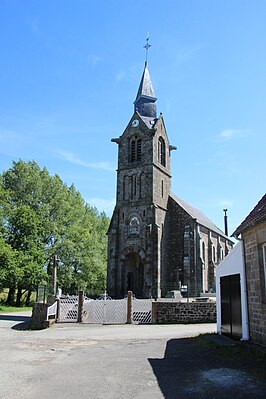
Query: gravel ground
126,361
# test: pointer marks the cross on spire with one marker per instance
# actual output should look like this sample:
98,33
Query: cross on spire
147,46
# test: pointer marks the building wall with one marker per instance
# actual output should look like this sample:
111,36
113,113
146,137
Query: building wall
253,240
213,249
233,264
179,250
184,262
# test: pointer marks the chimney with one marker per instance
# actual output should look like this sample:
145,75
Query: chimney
225,223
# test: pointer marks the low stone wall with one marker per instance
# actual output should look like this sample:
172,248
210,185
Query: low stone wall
183,312
39,317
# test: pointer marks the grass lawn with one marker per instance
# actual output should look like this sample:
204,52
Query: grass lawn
9,309
6,309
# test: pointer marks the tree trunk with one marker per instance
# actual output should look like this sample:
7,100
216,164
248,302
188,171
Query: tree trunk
11,296
19,294
28,298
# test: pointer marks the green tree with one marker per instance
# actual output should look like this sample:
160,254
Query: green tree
8,264
84,254
41,217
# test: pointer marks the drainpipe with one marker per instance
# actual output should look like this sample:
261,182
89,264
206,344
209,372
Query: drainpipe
244,293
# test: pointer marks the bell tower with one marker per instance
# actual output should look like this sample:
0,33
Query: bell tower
136,232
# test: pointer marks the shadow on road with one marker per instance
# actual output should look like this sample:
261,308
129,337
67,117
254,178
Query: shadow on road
23,321
14,317
190,370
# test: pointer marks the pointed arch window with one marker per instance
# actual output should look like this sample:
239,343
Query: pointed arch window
135,150
139,150
161,151
214,254
203,251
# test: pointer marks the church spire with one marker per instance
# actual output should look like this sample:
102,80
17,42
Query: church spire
145,99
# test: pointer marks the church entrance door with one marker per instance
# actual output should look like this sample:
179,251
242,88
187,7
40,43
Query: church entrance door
134,274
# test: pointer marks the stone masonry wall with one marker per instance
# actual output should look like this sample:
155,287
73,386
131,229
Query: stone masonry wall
183,312
254,238
39,317
175,248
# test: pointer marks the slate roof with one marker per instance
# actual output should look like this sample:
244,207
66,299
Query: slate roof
149,121
257,215
145,87
145,102
200,217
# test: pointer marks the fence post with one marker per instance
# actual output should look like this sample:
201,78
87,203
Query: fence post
58,309
154,312
129,307
80,306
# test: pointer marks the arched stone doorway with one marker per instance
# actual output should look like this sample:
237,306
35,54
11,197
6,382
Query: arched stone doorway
134,274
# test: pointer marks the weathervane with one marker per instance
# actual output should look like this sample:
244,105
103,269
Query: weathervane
147,46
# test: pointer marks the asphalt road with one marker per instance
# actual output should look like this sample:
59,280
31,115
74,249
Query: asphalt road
126,361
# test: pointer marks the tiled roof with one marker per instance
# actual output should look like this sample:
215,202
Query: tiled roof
202,219
257,215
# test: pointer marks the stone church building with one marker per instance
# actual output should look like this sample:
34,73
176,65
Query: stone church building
156,241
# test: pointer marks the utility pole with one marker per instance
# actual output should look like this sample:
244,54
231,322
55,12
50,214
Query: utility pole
54,274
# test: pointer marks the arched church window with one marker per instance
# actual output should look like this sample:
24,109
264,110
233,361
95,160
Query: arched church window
161,151
131,187
126,188
135,150
203,251
124,191
214,254
134,185
142,185
187,232
139,150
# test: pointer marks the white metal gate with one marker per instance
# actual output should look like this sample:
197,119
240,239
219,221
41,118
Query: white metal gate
141,311
105,311
68,310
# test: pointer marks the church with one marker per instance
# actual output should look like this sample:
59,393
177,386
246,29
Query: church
156,241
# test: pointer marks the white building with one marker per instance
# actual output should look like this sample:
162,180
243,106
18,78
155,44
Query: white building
231,294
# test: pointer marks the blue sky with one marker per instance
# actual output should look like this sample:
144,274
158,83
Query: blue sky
70,70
